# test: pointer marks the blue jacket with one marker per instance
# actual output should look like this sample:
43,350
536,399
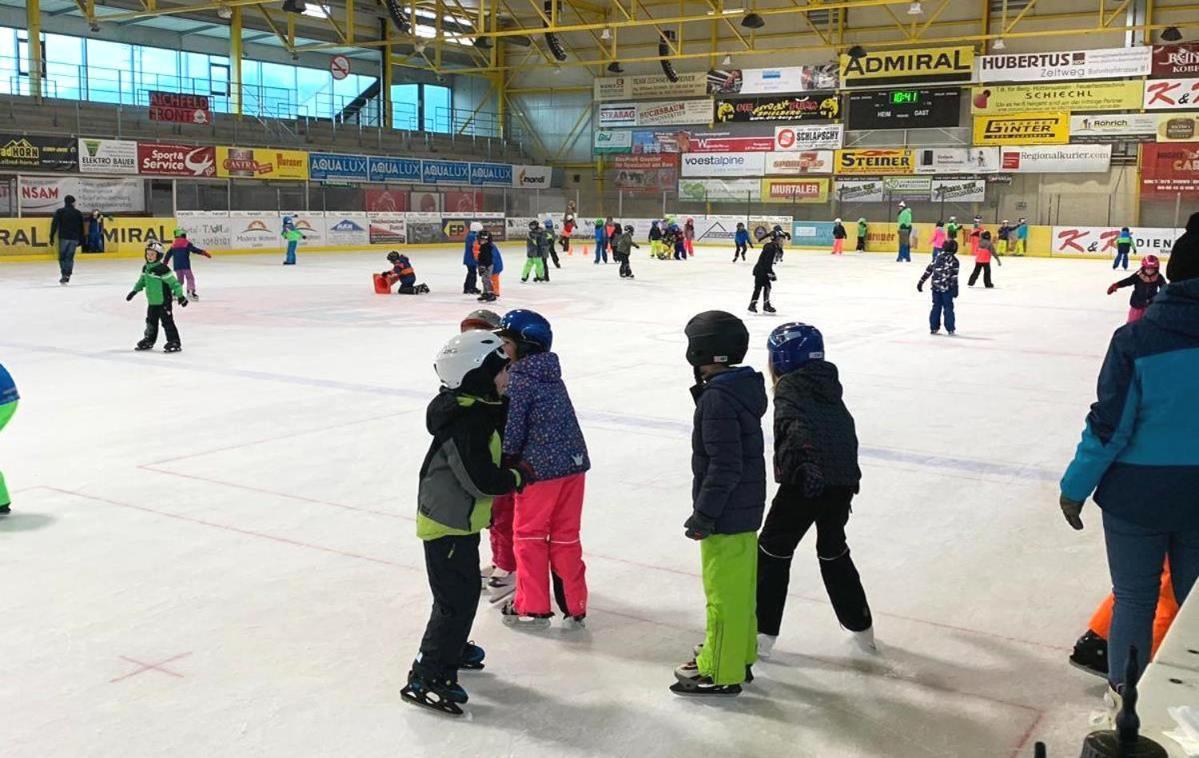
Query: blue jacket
468,255
542,427
728,452
8,388
180,253
742,237
497,260
1138,451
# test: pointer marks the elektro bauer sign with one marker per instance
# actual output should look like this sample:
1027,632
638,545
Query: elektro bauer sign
924,65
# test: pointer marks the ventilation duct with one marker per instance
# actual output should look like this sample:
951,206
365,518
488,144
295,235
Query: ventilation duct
553,40
664,50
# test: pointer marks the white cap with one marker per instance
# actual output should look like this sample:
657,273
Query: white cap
836,221
475,226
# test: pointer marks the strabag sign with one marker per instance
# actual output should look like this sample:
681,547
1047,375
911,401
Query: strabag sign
796,138
167,159
1069,159
1110,63
1100,241
1022,129
875,161
617,114
923,65
722,164
107,156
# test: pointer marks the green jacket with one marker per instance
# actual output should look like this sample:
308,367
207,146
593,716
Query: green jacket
159,283
293,235
905,217
861,228
952,229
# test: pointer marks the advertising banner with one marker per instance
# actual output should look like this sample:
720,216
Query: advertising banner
723,142
347,229
447,172
810,107
44,194
795,190
385,200
261,163
1178,127
662,141
815,137
1073,159
616,114
1114,127
959,190
424,202
674,113
1171,94
1100,241
462,201
107,156
608,141
771,81
1176,60
167,159
643,86
1022,129
957,160
812,233
207,230
802,162
532,177
720,190
860,190
387,228
256,230
724,228
722,164
398,170
456,227
180,109
1170,168
1109,63
879,160
424,228
645,173
19,152
311,224
914,188
491,175
335,167
905,109
941,64
1056,98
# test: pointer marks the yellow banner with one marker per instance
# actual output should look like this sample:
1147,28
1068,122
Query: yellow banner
1022,129
872,161
261,163
31,236
940,64
1057,98
795,190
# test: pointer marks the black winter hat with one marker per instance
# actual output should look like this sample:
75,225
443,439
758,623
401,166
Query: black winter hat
716,337
1184,256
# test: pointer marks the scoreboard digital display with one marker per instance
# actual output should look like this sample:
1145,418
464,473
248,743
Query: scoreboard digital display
905,109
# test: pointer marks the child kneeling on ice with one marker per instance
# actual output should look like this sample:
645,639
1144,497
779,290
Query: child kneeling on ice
160,286
460,475
944,272
402,271
728,496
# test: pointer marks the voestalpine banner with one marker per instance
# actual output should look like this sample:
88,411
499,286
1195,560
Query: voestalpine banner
1100,241
1109,63
1067,159
959,190
879,160
1171,61
532,177
720,190
650,86
722,164
957,160
1170,169
821,137
674,113
609,141
795,163
107,156
772,81
446,172
824,106
1114,127
1171,94
1022,129
1057,98
167,159
1178,127
860,190
337,167
491,174
923,65
261,163
795,190
397,170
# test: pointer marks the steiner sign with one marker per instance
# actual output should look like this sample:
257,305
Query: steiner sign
940,64
905,109
180,109
875,161
1112,63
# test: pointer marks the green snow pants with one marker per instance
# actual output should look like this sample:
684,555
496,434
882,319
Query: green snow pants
6,412
730,564
534,263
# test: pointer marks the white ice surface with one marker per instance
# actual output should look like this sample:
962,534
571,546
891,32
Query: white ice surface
245,508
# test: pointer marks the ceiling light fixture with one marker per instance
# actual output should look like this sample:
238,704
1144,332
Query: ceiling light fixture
606,33
224,12
998,44
753,21
294,6
1171,34
615,68
915,9
857,51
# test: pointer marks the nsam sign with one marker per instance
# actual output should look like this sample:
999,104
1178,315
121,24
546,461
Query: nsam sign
107,156
722,164
875,161
1100,241
1111,63
795,138
817,105
926,65
1022,129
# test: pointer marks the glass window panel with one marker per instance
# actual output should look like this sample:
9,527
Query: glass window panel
437,108
405,106
109,71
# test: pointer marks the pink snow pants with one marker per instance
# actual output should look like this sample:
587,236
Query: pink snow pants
1134,314
502,509
186,279
546,531
838,246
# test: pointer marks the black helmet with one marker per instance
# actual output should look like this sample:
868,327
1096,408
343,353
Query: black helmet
628,228
716,337
484,235
534,224
393,257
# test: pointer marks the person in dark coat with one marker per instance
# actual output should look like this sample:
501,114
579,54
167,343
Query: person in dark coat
764,275
67,225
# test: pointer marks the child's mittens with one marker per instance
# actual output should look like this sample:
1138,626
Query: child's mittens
130,296
772,277
699,526
1112,289
813,480
182,302
954,293
920,286
525,471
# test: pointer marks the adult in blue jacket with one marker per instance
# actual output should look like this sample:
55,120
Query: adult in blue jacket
471,285
1139,457
8,406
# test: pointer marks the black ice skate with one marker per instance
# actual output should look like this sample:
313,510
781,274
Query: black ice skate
753,307
192,295
768,308
691,682
472,657
144,345
1090,654
532,621
5,510
442,695
172,347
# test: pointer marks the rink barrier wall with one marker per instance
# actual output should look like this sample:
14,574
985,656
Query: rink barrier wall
254,232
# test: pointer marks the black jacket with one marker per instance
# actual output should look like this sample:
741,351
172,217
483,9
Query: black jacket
839,232
814,433
1143,290
728,452
765,265
486,255
67,224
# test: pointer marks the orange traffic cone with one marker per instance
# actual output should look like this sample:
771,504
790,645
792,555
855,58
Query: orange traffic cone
586,251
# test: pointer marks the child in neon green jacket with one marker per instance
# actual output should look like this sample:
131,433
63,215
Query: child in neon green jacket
161,287
293,237
8,406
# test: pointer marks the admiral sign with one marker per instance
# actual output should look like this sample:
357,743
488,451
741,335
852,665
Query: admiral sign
1113,63
1114,127
166,159
1176,60
825,137
817,105
943,64
875,161
1022,129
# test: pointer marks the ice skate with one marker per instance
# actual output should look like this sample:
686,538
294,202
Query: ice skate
472,657
485,573
692,665
574,623
500,585
535,622
4,510
753,306
1090,654
768,308
439,695
864,640
144,345
172,347
934,331
766,645
691,682
192,295
1105,718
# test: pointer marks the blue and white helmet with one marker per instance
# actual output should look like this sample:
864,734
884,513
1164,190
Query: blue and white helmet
794,345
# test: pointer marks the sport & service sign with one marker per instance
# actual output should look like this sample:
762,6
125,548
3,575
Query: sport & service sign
809,107
941,64
1057,98
1110,63
1022,129
796,163
905,109
168,159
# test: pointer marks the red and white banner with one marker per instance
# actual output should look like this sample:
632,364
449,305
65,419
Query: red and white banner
1176,60
164,159
1100,241
386,201
729,144
798,163
820,137
1170,168
1171,94
180,109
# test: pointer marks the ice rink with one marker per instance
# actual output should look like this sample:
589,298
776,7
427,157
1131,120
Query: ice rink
213,553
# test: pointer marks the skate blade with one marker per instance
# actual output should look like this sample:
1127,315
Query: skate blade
537,625
445,707
679,688
500,594
1088,670
471,666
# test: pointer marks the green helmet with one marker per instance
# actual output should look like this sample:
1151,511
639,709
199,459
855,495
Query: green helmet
599,222
179,232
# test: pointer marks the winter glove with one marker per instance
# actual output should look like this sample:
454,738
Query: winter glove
772,277
699,526
813,480
527,475
130,296
182,302
954,293
920,286
1071,509
1112,289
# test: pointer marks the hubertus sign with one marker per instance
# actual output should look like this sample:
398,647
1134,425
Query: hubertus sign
925,65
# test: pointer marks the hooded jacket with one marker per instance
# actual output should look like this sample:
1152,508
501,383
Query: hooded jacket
742,237
1144,289
728,452
812,427
461,472
159,283
8,388
542,428
764,268
468,251
1184,255
67,223
944,272
1138,451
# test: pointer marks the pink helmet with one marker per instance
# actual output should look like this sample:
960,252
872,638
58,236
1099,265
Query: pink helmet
1150,262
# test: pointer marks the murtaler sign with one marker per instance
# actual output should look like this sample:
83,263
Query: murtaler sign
941,64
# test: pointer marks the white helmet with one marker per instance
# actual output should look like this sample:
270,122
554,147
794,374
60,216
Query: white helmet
836,221
476,226
466,352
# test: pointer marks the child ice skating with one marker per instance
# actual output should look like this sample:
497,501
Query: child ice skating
543,435
839,235
764,274
904,230
1005,236
459,477
293,237
551,252
624,249
160,286
655,240
689,236
8,406
1021,237
944,272
939,237
489,267
863,230
728,496
1145,284
776,235
470,285
180,254
1124,248
816,467
982,260
976,233
401,271
535,249
601,242
742,242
